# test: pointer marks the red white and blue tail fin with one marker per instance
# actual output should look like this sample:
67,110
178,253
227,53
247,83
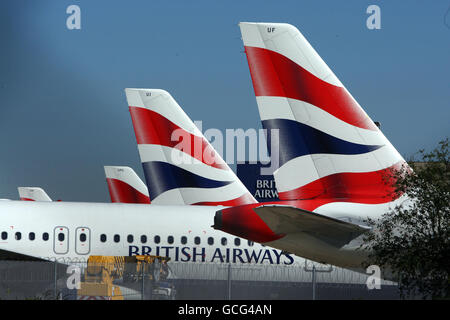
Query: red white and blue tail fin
33,194
180,165
125,186
328,146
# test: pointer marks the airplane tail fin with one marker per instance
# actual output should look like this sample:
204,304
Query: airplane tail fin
180,165
328,145
33,194
125,186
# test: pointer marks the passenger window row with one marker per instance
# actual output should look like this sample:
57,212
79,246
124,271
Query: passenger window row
18,236
130,238
171,240
45,236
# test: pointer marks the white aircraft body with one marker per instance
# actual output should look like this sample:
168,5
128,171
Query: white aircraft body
72,231
171,228
332,163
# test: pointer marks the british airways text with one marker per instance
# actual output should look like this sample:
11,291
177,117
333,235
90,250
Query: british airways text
227,255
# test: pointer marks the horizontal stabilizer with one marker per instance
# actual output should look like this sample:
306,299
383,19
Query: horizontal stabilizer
287,220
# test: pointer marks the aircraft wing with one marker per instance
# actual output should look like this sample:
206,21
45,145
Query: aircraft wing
286,219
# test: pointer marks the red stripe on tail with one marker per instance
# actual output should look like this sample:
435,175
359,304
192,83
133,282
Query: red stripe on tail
124,193
275,75
375,185
152,128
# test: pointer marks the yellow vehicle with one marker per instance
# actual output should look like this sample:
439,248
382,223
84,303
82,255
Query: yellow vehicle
102,271
150,266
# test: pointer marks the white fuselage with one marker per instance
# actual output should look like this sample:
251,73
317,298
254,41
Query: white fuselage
72,231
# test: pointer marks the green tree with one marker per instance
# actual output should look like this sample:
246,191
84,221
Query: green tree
412,241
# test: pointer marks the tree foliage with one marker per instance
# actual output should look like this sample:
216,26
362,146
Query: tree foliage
412,241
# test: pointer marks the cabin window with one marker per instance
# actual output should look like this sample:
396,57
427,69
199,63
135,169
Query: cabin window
157,239
4,235
223,241
130,238
210,241
31,236
237,242
183,240
250,243
197,240
18,235
170,239
116,238
103,238
61,237
45,236
143,239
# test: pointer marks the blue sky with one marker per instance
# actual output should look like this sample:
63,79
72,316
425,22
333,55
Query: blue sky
63,111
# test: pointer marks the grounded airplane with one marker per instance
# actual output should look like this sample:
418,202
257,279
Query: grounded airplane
33,194
125,186
333,159
71,231
318,222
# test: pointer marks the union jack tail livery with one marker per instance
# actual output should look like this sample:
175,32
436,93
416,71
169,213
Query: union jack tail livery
180,165
329,148
33,194
334,163
125,186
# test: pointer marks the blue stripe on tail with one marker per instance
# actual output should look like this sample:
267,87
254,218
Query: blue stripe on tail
298,139
163,176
